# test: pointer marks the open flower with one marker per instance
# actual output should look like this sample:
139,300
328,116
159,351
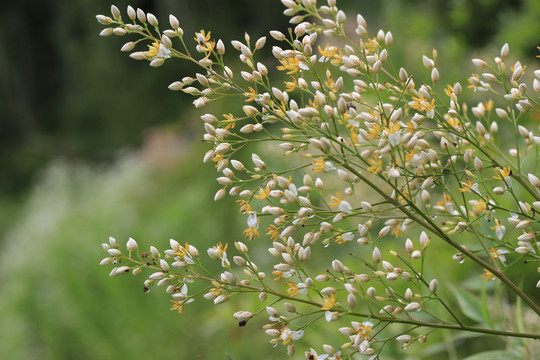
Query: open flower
219,252
253,227
504,174
394,133
498,254
158,50
342,205
319,165
291,65
421,103
487,275
329,302
499,228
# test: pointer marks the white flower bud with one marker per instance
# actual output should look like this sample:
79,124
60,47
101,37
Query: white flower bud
221,299
424,240
152,19
141,16
409,246
433,285
174,22
504,51
533,179
131,245
434,75
405,338
428,63
114,252
260,43
478,164
479,62
376,255
219,194
107,261
414,306
338,266
128,46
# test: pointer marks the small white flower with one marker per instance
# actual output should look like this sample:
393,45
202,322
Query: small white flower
345,207
329,166
163,52
330,316
253,221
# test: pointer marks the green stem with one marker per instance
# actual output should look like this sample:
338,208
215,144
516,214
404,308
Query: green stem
426,222
389,319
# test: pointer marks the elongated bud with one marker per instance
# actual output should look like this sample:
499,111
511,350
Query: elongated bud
433,285
409,246
428,63
533,179
141,16
152,20
403,76
434,75
404,338
479,62
424,240
505,50
131,245
174,22
414,306
220,194
376,255
260,43
478,164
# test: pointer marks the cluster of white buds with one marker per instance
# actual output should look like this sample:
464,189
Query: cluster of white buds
368,156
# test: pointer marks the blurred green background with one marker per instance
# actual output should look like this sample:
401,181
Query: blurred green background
92,144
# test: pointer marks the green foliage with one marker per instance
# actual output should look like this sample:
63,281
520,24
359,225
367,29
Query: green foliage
57,303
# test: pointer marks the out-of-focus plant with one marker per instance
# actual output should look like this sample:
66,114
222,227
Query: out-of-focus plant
352,157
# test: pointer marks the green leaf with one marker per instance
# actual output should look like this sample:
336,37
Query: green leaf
495,355
519,315
485,309
469,304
